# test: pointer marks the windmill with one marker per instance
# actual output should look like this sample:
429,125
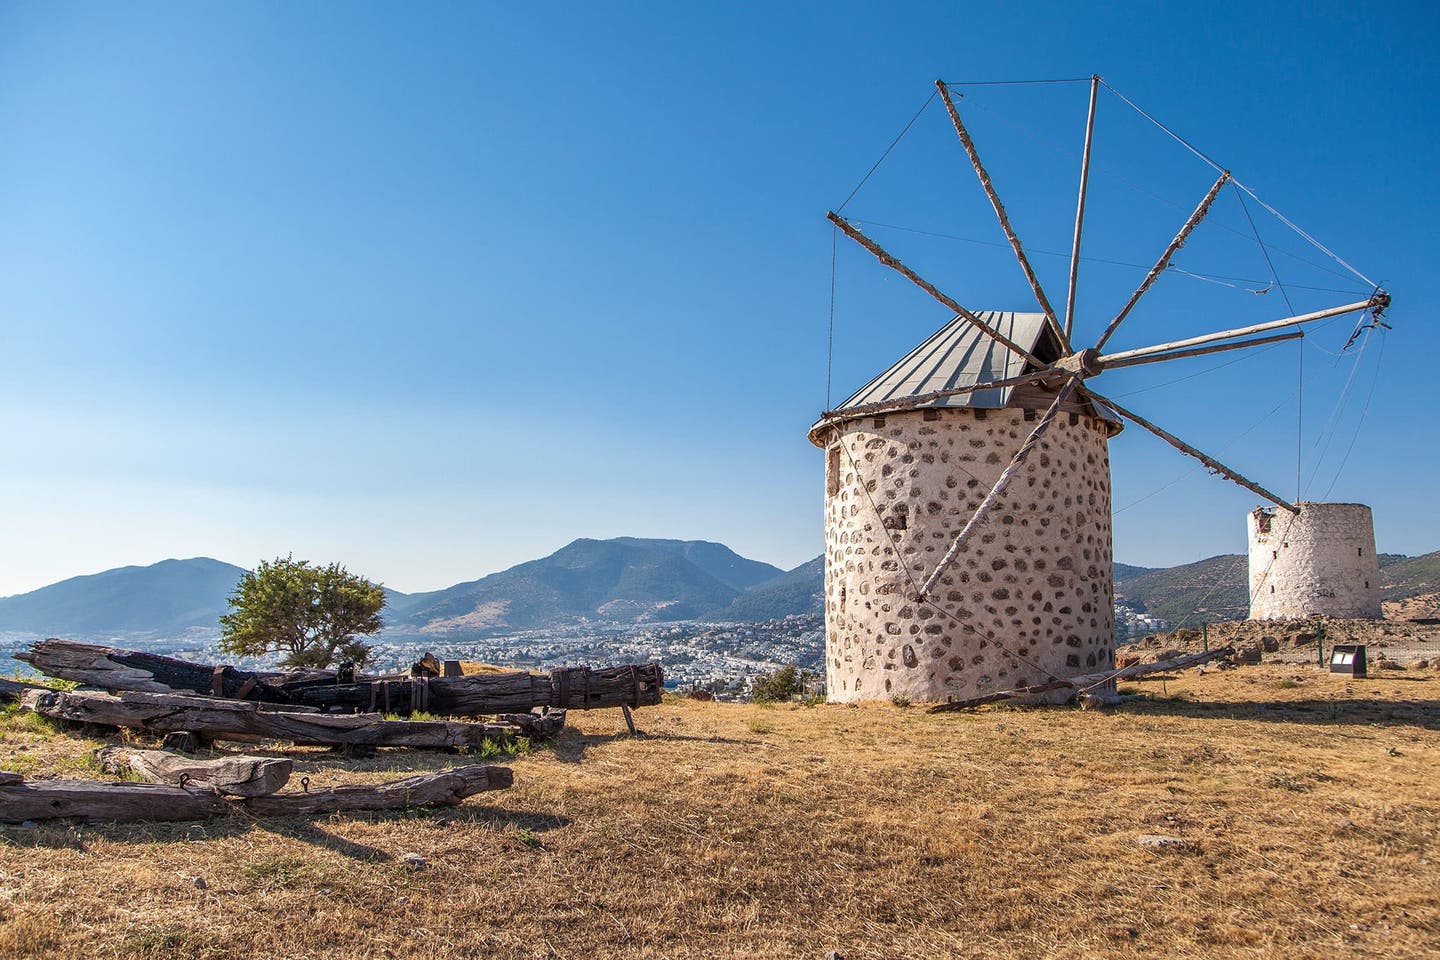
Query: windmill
967,528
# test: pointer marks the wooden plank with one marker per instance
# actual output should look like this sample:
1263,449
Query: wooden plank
444,789
160,713
1164,260
574,688
115,668
231,776
1379,301
95,800
13,689
988,186
1197,351
1079,684
1080,209
1209,461
893,263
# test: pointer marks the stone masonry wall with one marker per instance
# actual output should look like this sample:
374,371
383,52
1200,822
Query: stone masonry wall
1030,597
1321,563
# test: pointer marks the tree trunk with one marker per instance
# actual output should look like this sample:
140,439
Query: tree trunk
92,800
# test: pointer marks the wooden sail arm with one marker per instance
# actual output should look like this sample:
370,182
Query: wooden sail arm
1215,465
989,186
893,263
1080,210
909,403
1001,483
1379,301
1107,364
1164,261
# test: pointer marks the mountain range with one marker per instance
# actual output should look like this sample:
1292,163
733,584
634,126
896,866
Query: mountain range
626,580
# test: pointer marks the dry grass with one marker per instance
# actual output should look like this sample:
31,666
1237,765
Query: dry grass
1311,805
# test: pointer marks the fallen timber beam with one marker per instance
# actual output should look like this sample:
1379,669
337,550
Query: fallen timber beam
161,713
14,689
93,800
229,776
115,668
1081,683
573,688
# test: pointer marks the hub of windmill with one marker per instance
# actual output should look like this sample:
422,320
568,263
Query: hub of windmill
1085,362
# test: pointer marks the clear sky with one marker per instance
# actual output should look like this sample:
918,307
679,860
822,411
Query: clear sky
433,289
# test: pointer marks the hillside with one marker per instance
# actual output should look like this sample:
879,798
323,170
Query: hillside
797,591
166,597
1305,805
1193,593
1405,577
624,579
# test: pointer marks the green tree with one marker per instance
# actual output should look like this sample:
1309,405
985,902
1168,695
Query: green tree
783,684
312,614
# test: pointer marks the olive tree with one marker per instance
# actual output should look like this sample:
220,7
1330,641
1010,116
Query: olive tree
312,614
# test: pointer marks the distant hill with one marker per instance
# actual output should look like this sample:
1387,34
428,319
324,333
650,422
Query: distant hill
716,559
1405,577
801,590
171,596
1123,571
1193,593
626,579
163,599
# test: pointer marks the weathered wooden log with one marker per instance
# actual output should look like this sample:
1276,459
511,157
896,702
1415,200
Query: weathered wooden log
93,800
443,789
114,668
12,689
574,688
160,713
230,776
537,726
1080,683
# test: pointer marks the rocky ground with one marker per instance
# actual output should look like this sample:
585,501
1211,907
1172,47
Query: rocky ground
1391,644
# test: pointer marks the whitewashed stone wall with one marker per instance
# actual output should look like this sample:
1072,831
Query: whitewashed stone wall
1030,597
1319,563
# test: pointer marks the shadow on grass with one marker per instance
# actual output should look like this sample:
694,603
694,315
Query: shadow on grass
571,746
1398,713
294,828
72,835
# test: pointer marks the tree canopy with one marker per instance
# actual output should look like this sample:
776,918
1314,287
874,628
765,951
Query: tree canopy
314,615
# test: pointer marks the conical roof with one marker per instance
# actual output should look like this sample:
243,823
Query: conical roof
959,354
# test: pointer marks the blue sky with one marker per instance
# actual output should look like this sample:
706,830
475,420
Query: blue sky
435,289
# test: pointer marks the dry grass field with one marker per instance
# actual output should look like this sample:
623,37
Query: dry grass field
1310,805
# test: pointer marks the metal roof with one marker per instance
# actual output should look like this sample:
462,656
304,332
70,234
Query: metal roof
959,355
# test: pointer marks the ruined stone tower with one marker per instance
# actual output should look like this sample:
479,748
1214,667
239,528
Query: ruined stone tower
1318,563
1032,596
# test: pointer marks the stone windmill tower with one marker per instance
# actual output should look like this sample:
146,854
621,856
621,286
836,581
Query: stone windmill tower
1319,562
967,499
